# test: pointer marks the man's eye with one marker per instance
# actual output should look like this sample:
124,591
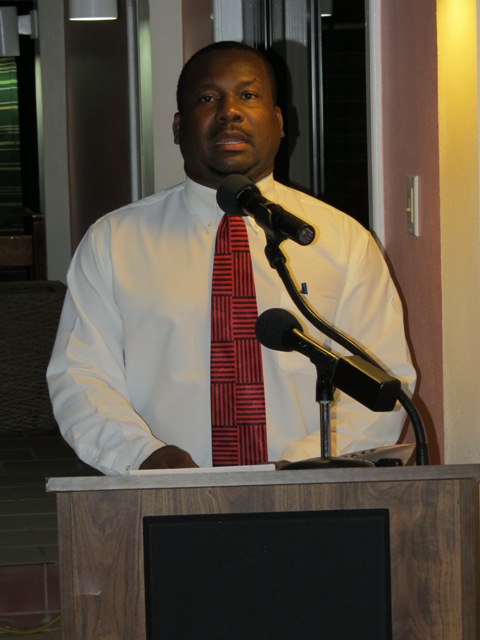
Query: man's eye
207,98
248,95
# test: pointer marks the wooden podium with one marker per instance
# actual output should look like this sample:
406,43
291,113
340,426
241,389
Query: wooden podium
433,514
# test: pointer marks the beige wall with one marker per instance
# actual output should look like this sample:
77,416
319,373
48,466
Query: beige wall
459,212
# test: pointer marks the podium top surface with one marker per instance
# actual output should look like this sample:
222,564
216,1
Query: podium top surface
205,478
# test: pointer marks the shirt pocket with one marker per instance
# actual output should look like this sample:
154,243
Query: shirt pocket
295,362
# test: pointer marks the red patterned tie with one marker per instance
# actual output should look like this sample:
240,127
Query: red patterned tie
238,401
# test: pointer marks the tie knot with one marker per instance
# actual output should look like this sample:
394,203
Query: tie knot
232,235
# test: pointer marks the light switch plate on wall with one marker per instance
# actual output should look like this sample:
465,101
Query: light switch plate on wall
412,206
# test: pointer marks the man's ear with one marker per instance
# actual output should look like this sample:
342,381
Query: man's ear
176,128
279,115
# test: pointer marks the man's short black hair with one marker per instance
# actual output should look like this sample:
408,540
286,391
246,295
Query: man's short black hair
224,45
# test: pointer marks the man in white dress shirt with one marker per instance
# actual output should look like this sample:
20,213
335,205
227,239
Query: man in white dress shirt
129,375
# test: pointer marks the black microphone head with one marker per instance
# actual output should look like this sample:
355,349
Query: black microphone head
230,190
273,328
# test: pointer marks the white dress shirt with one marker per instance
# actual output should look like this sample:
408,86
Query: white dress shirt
130,367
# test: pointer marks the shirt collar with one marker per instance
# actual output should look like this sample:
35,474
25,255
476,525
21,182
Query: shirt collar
203,201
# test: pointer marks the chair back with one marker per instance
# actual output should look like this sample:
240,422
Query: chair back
27,249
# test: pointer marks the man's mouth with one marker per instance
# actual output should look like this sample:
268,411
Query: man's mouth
231,138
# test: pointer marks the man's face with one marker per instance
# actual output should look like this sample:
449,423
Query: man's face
228,122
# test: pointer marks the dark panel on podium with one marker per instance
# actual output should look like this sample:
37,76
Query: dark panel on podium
287,575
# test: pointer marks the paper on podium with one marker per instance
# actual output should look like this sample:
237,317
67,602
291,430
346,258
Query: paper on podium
249,468
401,451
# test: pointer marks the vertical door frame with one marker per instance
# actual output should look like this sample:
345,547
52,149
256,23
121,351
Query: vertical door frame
375,119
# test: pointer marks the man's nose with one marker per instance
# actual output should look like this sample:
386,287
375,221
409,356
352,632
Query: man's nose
229,110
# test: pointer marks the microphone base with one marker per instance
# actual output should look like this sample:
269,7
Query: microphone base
326,463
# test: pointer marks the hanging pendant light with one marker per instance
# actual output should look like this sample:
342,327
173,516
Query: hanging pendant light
93,9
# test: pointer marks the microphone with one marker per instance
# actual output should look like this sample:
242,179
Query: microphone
279,330
237,195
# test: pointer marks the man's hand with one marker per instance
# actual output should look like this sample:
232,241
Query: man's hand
169,457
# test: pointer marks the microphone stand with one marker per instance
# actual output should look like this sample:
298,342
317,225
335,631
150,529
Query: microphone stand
277,261
324,397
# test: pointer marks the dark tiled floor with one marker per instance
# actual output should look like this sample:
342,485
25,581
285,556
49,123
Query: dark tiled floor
29,590
28,528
